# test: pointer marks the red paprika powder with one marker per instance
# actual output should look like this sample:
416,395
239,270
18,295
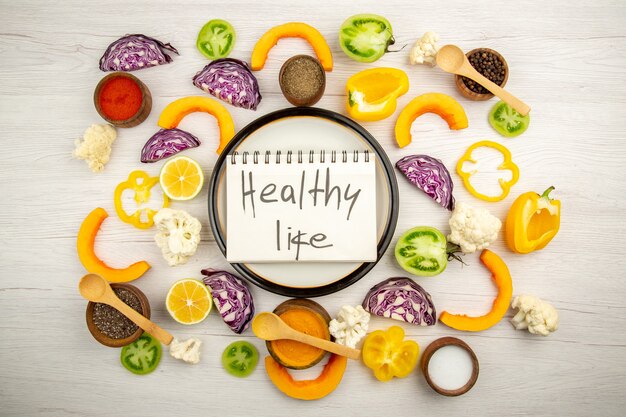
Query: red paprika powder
120,98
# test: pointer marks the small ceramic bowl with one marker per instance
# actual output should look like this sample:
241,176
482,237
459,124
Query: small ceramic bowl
309,101
144,109
106,340
438,344
466,92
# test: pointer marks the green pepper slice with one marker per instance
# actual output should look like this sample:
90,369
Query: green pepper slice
422,251
142,356
216,39
507,121
240,358
365,37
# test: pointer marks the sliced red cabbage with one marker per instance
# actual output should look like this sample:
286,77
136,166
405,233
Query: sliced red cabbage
401,299
167,142
429,175
135,52
231,297
230,80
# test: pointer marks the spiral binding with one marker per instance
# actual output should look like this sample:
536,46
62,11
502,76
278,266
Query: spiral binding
289,157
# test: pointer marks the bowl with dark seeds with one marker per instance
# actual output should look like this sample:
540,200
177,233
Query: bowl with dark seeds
491,65
110,327
302,80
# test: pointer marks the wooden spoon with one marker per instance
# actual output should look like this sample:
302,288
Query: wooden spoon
268,326
95,288
451,58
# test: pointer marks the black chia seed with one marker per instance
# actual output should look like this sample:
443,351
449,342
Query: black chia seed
111,322
490,66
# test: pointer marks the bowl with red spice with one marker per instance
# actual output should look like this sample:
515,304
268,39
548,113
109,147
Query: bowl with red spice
122,99
110,327
491,65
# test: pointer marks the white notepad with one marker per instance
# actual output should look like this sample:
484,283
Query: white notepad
301,206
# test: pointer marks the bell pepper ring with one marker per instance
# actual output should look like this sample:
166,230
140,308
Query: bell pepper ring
506,165
532,222
141,183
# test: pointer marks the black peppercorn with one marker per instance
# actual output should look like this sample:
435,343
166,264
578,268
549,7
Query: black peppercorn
490,66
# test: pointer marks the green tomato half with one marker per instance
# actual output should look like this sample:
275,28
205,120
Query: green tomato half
422,251
365,37
142,356
240,358
507,121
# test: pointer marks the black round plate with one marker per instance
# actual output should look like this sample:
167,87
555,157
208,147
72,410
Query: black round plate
384,241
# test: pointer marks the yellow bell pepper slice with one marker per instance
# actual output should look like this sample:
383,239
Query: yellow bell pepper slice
388,354
372,94
532,222
141,183
507,165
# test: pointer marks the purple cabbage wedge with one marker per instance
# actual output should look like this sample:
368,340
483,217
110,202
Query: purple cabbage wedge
135,52
167,142
230,80
401,299
231,297
429,175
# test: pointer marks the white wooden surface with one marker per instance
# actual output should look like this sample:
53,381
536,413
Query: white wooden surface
566,61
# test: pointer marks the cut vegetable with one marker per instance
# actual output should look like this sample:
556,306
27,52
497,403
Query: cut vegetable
188,301
167,142
502,278
181,178
506,165
178,109
365,37
216,39
291,30
401,299
240,358
389,355
140,183
305,316
422,251
135,52
441,104
85,247
142,356
372,94
231,297
507,121
230,80
313,389
429,175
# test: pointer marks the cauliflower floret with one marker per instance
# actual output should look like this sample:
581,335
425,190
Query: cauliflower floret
95,147
534,314
350,326
473,228
178,235
425,49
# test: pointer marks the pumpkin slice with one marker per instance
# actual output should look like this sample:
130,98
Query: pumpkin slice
291,30
87,255
502,277
441,104
177,110
304,316
313,389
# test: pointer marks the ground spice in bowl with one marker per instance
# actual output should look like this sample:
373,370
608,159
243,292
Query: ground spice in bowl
111,322
302,80
491,65
122,99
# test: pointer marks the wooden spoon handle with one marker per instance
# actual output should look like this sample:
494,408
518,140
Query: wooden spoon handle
521,107
157,332
327,345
